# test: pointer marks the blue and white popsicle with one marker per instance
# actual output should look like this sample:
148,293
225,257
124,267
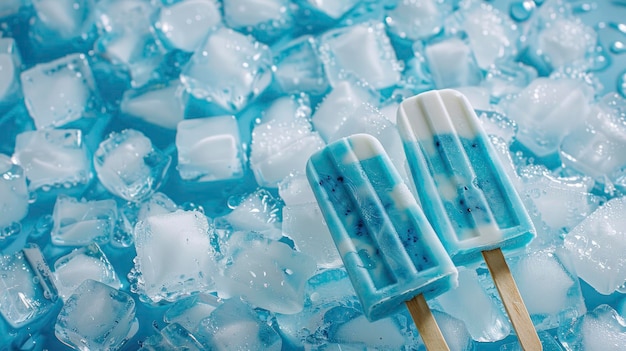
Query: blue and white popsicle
388,247
465,193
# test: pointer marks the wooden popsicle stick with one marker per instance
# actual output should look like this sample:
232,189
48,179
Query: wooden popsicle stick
426,324
512,300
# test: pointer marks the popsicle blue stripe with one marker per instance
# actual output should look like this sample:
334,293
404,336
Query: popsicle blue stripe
388,247
464,191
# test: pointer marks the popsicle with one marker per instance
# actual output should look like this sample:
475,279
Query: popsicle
388,247
465,193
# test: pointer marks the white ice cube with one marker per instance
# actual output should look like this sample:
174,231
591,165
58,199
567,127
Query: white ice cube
79,223
13,193
418,19
452,64
566,41
185,24
163,106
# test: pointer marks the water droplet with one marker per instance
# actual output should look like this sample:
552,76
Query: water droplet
621,84
618,47
521,11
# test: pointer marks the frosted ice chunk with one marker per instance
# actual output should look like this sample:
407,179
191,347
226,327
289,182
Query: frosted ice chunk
172,337
79,223
602,329
505,78
340,103
417,19
566,41
190,311
595,148
491,35
10,65
362,50
53,158
471,303
333,9
58,21
157,204
266,273
258,211
27,291
13,194
597,245
174,256
236,326
285,109
163,106
281,147
209,149
96,316
561,202
87,262
542,107
129,166
60,91
184,24
228,69
451,63
299,67
265,19
549,286
549,343
454,332
295,190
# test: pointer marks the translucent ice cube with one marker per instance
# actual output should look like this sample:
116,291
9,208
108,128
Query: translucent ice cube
454,331
266,273
267,20
209,149
172,337
333,9
129,166
58,21
10,65
236,326
60,91
566,41
382,334
212,74
594,148
548,341
541,108
451,63
174,256
87,262
298,66
184,24
549,286
597,245
79,223
278,148
362,50
340,103
53,158
471,303
190,311
602,329
258,211
13,194
160,105
96,316
157,204
418,19
28,291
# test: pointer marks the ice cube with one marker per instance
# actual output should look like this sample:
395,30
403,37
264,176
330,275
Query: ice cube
332,9
362,50
454,332
129,166
295,190
451,63
79,223
87,262
27,290
284,109
299,68
541,108
505,79
13,122
184,24
161,105
566,41
594,148
157,204
96,316
267,20
549,343
258,211
10,66
602,329
209,149
266,273
236,326
549,286
172,337
58,22
471,303
597,245
340,103
13,196
53,158
190,311
382,334
60,91
228,69
279,148
174,256
418,19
